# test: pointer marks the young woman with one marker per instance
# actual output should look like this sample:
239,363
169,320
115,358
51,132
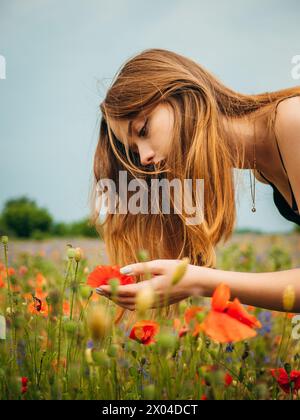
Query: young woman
167,116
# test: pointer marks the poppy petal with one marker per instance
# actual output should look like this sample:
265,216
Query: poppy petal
222,328
220,298
237,311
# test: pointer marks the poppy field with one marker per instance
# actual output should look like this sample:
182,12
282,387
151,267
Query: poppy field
59,339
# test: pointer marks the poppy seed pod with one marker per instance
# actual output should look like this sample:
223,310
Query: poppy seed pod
99,323
4,240
71,253
289,297
180,271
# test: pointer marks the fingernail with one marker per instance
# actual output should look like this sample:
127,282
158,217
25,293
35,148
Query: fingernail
100,291
126,270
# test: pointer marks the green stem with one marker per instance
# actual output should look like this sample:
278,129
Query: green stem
74,290
61,310
282,339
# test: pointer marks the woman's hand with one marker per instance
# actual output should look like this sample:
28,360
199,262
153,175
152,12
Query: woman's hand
165,293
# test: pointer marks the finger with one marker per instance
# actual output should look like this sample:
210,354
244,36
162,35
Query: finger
125,291
123,301
129,307
153,267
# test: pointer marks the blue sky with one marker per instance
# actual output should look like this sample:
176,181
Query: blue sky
62,54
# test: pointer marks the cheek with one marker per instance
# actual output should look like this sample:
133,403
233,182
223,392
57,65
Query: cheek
162,142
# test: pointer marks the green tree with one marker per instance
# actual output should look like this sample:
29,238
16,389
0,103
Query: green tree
83,228
24,218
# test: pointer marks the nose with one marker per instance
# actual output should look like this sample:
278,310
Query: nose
146,155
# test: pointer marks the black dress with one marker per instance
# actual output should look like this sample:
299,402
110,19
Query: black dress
291,214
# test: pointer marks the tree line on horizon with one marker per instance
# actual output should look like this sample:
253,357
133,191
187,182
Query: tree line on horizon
22,218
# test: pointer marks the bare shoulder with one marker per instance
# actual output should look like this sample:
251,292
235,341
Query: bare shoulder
287,128
287,122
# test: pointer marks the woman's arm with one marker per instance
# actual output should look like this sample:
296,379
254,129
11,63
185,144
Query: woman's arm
264,290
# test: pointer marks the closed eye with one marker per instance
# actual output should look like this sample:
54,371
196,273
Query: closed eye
143,131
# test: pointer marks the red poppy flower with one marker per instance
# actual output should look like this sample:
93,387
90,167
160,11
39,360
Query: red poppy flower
228,379
182,329
285,381
144,332
189,316
38,305
103,273
191,313
24,381
227,322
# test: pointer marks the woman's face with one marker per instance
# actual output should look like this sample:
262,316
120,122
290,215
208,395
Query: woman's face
151,137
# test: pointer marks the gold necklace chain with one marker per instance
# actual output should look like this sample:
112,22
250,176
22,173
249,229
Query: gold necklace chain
252,188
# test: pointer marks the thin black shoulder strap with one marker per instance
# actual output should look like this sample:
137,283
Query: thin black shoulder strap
294,203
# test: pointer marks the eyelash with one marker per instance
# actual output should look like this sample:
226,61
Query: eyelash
144,128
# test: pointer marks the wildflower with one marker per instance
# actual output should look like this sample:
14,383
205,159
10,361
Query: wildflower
38,304
144,332
11,272
229,348
182,329
2,284
103,273
227,321
24,382
287,382
190,315
23,270
40,280
265,317
66,308
228,379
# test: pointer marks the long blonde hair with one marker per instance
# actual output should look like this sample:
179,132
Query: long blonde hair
199,151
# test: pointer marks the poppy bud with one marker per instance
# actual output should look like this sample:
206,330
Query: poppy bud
144,299
100,358
166,341
143,255
88,356
85,291
149,392
289,298
4,240
180,271
112,351
78,254
70,327
114,284
99,323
